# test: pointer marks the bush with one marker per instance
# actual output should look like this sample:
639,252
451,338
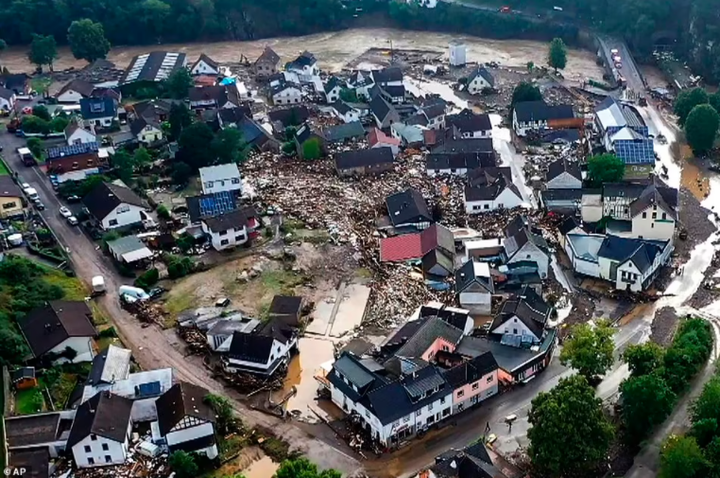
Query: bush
148,279
180,268
163,212
109,333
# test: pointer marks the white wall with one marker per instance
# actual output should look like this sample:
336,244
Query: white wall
203,68
456,172
219,185
516,328
333,95
149,134
81,136
228,239
629,275
124,215
287,96
507,199
115,450
530,252
82,345
187,434
564,181
7,104
656,228
477,85
522,129
278,350
476,302
477,134
70,96
350,116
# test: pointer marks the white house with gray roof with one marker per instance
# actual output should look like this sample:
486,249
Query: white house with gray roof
524,244
222,177
474,287
479,80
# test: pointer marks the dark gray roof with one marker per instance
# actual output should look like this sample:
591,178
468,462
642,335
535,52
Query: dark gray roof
305,59
105,414
295,115
567,225
509,358
352,369
530,111
433,111
387,75
93,108
556,168
236,219
466,276
380,108
208,61
459,160
105,197
251,347
72,150
470,462
22,373
466,121
23,431
527,306
341,107
286,305
332,83
8,188
491,190
363,158
343,132
664,197
464,145
268,55
394,91
641,252
471,371
183,400
153,66
48,326
437,257
451,316
34,461
561,195
431,330
80,86
484,73
408,207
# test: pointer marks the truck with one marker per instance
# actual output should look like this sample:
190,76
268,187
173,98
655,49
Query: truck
26,156
98,285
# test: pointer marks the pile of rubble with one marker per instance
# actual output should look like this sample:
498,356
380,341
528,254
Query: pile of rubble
195,339
250,384
146,311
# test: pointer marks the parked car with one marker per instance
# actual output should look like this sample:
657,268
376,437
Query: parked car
156,292
39,206
73,198
72,220
65,212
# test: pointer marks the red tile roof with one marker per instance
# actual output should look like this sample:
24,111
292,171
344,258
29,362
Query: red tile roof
378,137
408,246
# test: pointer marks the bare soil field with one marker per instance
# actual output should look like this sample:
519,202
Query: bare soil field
334,50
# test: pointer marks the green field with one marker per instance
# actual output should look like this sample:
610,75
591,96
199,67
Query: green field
3,169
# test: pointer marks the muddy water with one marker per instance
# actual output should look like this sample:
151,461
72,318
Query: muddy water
335,49
263,468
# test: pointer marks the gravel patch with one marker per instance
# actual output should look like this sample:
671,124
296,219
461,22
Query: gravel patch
693,218
663,326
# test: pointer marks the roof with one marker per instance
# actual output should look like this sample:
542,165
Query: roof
332,83
663,197
407,207
567,225
437,257
613,114
363,158
467,121
290,116
236,219
22,431
641,252
434,110
72,150
484,73
154,66
94,108
207,60
471,371
376,137
154,108
585,246
251,347
219,172
16,81
34,461
138,125
286,305
111,364
47,327
380,107
207,93
8,188
136,386
268,55
105,197
509,358
351,368
411,134
182,400
531,111
474,272
5,93
393,91
342,132
556,168
561,195
213,204
453,316
105,414
126,245
387,75
527,306
305,59
22,373
414,246
470,462
80,86
635,151
432,329
491,190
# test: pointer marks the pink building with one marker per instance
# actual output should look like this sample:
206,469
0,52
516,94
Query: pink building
473,381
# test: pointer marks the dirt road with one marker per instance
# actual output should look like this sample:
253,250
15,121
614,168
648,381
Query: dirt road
335,49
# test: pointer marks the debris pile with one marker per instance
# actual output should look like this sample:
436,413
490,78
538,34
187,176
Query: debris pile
195,339
146,311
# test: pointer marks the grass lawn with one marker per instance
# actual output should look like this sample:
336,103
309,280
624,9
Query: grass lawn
29,401
176,303
72,286
3,169
60,390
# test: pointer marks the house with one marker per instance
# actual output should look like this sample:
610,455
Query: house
186,421
152,67
128,250
524,244
332,89
24,378
218,96
383,112
230,229
40,431
262,351
457,156
470,124
472,461
612,117
410,136
522,319
146,131
219,335
563,201
364,161
222,177
56,328
630,264
412,247
393,94
479,80
637,153
256,136
35,463
7,99
484,250
114,206
74,162
344,132
286,93
11,198
408,211
305,134
434,115
563,174
390,76
490,189
74,91
378,139
345,112
76,134
459,318
474,287
18,83
287,308
99,112
293,116
538,115
100,433
267,63
473,381
361,82
457,51
157,110
305,67
205,66
437,264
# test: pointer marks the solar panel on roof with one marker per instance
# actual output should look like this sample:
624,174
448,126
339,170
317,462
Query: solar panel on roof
148,389
635,152
217,203
72,150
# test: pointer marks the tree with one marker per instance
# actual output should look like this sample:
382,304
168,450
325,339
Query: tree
141,157
348,95
194,145
228,146
178,83
87,40
58,124
181,173
124,164
225,418
644,359
647,401
705,413
35,145
557,55
183,464
33,124
681,457
41,112
701,128
163,212
179,118
43,50
303,468
570,435
714,101
589,349
311,149
605,168
687,100
525,91
12,347
712,455
148,278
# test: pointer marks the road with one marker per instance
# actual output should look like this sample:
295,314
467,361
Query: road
629,69
153,347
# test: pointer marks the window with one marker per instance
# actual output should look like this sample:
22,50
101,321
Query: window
486,206
644,215
223,233
123,209
475,386
442,400
446,348
654,216
108,459
113,222
430,407
93,437
91,461
367,414
501,206
105,447
514,331
490,379
461,393
406,419
475,208
235,181
664,216
9,205
240,238
453,170
209,184
418,413
87,449
224,242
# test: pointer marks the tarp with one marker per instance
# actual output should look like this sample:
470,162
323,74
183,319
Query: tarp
137,255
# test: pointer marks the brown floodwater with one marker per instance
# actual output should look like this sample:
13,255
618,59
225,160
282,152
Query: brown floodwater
263,468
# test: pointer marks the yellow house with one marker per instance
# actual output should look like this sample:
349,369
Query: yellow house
11,198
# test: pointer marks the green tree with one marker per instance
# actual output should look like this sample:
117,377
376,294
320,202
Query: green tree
687,100
148,279
224,415
705,413
179,118
12,347
228,146
605,168
525,91
41,112
163,212
681,457
87,40
303,468
33,124
712,455
644,358
124,164
570,435
43,50
311,149
714,101
701,128
647,401
181,173
35,145
589,349
194,145
348,95
557,55
142,157
58,124
178,83
183,464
